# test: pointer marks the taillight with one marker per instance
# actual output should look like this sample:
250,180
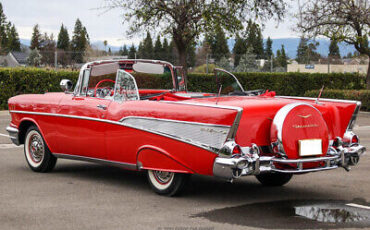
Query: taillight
237,149
355,139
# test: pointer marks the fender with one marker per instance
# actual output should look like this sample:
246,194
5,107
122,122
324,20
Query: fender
37,125
154,158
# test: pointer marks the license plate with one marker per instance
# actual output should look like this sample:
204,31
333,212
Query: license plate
310,147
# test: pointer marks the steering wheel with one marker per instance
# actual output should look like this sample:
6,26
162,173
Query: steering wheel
102,81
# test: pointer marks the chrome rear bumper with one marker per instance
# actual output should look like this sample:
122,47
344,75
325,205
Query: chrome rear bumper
13,134
234,167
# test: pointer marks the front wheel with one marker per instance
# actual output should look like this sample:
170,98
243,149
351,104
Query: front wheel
37,153
167,183
274,179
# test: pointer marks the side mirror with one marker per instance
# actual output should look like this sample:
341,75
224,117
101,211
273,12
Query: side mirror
66,85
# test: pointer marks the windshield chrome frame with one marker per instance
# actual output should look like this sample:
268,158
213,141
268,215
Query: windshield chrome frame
77,90
227,72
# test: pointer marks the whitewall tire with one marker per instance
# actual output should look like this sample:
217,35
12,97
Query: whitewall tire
37,153
167,183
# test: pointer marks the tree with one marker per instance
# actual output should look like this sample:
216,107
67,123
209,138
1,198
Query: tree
3,30
105,45
247,62
281,58
239,49
218,43
268,49
34,59
254,39
13,40
306,51
48,47
80,42
165,55
157,54
340,20
148,50
334,49
132,52
36,38
185,21
124,51
63,39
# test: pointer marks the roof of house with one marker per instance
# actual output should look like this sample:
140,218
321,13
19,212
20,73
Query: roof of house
20,57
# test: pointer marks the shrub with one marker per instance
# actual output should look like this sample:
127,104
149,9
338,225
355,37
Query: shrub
357,95
14,81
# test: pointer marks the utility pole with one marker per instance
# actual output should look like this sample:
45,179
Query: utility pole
328,64
272,65
207,63
56,59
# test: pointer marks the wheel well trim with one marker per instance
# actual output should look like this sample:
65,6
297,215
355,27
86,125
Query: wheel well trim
22,135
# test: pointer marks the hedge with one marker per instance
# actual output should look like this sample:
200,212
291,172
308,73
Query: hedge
14,81
358,95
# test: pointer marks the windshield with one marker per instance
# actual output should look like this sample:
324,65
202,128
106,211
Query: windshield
227,83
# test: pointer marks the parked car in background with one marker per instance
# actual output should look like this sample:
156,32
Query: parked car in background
172,133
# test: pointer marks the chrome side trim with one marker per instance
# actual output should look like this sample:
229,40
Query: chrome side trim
321,99
176,121
96,160
352,122
205,147
234,127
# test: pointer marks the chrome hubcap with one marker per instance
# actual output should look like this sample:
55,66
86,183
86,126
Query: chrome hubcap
36,148
163,177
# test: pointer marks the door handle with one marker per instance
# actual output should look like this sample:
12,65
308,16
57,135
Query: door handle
104,107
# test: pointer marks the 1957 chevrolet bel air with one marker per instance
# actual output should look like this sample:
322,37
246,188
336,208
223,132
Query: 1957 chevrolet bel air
173,133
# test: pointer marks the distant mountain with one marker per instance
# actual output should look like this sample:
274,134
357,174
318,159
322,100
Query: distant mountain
291,44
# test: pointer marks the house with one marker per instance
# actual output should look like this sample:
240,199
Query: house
14,59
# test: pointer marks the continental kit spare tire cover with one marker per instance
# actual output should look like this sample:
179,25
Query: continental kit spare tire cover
300,124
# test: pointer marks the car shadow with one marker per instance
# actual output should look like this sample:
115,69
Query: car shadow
200,188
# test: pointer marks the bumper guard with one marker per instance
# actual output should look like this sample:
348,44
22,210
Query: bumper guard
253,164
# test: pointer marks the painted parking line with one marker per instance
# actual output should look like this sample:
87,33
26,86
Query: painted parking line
9,146
362,128
358,206
4,135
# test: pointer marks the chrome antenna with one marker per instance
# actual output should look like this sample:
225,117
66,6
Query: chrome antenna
317,100
219,92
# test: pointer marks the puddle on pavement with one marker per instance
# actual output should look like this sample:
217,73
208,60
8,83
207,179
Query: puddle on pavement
293,214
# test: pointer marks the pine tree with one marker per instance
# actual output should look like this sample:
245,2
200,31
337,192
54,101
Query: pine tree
254,39
63,39
239,49
48,47
147,52
247,62
281,58
220,48
334,49
302,50
3,30
165,55
13,40
132,52
124,51
80,42
157,49
268,49
36,38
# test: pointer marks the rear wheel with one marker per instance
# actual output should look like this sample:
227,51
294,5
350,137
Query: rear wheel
274,179
37,153
167,183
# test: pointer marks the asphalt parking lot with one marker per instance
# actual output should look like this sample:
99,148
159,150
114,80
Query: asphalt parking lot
79,195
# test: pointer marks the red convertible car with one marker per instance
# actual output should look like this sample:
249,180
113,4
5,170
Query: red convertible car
172,133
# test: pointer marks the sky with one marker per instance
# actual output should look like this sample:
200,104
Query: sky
50,14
